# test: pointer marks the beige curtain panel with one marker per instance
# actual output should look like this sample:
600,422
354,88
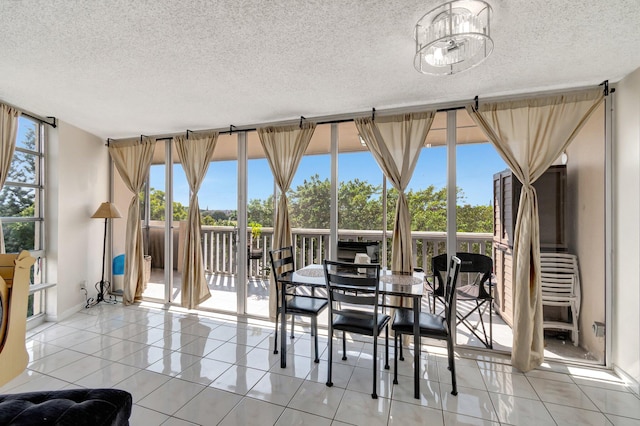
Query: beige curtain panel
395,143
284,148
195,155
132,160
8,131
530,135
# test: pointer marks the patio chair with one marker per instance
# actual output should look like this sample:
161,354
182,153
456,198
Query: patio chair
478,292
354,308
560,283
431,325
283,266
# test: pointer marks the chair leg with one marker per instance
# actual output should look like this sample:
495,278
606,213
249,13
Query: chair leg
401,354
574,318
488,342
314,331
490,323
374,395
293,319
452,365
386,347
344,346
275,342
395,358
330,357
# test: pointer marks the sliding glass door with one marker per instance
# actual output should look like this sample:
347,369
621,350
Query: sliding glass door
460,199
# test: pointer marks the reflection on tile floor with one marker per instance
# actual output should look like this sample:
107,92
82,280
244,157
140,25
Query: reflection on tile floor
223,288
186,368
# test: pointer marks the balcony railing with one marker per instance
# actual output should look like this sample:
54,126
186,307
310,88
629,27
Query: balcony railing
312,246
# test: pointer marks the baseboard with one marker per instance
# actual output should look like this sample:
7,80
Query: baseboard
66,314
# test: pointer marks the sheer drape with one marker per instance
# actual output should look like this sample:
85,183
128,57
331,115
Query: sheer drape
284,148
395,142
195,155
8,131
530,135
132,160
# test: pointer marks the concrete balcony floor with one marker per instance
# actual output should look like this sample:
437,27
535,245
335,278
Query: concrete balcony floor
558,346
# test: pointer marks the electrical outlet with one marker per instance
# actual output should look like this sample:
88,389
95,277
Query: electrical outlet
598,328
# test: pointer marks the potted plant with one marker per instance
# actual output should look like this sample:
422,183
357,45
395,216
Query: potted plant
253,249
256,232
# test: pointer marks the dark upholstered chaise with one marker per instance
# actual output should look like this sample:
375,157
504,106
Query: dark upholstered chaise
72,407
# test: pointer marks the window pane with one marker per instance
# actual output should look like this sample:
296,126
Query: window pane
360,184
27,134
218,199
23,168
260,208
19,236
154,234
17,201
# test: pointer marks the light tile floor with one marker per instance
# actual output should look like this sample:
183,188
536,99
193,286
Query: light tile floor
186,368
223,287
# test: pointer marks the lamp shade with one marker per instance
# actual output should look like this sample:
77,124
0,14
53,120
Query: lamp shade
106,211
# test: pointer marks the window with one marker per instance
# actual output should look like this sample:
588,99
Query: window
21,201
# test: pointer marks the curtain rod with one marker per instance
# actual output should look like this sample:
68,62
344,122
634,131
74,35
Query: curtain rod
252,129
442,107
41,120
36,117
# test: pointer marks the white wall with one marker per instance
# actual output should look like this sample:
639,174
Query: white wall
586,225
625,306
77,178
121,198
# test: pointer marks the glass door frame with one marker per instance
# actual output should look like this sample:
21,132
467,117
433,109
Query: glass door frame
168,215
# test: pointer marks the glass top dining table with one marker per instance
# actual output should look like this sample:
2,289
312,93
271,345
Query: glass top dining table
391,284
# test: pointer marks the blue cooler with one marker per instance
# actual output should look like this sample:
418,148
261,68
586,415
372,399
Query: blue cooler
118,274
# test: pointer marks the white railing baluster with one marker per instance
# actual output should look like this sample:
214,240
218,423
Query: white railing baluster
311,246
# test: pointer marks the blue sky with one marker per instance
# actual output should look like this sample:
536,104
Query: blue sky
476,164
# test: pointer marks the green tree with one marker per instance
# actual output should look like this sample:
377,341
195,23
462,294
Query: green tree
16,201
20,235
207,220
218,218
261,211
308,204
359,205
157,201
475,218
428,209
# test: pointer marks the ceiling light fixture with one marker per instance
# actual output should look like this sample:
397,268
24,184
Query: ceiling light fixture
453,37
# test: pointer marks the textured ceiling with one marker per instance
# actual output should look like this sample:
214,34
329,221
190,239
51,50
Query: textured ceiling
122,68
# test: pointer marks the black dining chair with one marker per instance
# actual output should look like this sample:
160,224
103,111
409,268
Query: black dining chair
353,294
476,290
283,267
431,325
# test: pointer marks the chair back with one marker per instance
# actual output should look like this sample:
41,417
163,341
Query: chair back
471,263
352,288
559,275
450,288
282,263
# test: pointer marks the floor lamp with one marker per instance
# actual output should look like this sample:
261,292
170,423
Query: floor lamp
106,211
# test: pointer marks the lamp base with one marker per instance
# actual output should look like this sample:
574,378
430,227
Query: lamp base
102,287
